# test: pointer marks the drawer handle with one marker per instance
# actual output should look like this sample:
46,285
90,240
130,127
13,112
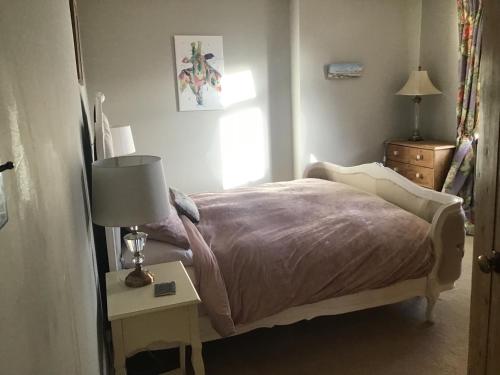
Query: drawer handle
395,169
419,175
420,157
395,152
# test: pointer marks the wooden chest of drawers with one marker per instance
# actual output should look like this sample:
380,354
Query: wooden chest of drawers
425,162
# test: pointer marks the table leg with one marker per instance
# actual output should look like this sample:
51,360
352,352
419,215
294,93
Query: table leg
182,358
119,355
196,354
197,360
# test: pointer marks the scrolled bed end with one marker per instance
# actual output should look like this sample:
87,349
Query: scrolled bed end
443,211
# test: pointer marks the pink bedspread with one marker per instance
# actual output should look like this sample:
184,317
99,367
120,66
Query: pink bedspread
291,243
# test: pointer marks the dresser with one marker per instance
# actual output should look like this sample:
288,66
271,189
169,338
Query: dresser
424,162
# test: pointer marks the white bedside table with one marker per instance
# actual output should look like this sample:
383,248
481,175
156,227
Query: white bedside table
140,321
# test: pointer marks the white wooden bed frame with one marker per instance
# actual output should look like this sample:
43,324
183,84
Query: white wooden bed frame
443,211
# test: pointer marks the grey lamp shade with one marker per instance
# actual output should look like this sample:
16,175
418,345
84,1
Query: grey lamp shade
129,191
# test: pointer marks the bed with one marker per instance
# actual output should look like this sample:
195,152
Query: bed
443,212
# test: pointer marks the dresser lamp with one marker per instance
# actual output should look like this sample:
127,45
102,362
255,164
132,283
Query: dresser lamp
418,85
128,191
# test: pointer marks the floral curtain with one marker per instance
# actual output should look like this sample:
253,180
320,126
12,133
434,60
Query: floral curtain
460,178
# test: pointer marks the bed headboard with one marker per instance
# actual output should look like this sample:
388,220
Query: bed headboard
103,149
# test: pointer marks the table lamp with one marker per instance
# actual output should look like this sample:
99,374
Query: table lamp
128,191
418,85
123,142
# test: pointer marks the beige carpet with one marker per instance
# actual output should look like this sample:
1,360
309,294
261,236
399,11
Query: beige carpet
389,340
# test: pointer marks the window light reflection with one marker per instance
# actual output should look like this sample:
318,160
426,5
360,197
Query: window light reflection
243,147
237,88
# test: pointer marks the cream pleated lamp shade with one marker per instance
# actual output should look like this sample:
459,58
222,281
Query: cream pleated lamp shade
129,191
419,84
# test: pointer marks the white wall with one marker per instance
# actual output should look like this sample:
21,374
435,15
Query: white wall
439,55
128,55
48,312
347,121
296,87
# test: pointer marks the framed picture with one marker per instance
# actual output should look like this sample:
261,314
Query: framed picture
76,40
344,70
199,70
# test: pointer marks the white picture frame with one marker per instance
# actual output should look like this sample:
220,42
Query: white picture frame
199,71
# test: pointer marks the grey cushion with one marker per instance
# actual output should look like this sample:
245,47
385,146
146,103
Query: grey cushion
185,205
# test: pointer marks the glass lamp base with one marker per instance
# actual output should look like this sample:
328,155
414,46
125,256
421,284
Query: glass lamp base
416,133
135,242
138,278
415,138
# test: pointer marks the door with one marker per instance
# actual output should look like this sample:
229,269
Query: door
484,341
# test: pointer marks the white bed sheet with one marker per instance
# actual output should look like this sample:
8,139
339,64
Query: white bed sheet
159,252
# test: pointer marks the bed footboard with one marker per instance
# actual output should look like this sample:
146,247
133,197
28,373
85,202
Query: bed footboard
443,211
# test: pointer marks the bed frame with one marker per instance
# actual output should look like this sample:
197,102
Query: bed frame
443,211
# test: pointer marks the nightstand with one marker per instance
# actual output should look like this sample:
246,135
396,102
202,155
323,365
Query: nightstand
141,321
426,163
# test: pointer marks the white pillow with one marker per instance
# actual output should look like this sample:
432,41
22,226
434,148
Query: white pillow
159,252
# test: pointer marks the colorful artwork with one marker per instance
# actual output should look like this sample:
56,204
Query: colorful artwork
200,66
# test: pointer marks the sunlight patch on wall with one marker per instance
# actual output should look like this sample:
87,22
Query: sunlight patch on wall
237,88
23,175
243,142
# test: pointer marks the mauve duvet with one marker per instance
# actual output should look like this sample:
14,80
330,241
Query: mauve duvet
264,249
